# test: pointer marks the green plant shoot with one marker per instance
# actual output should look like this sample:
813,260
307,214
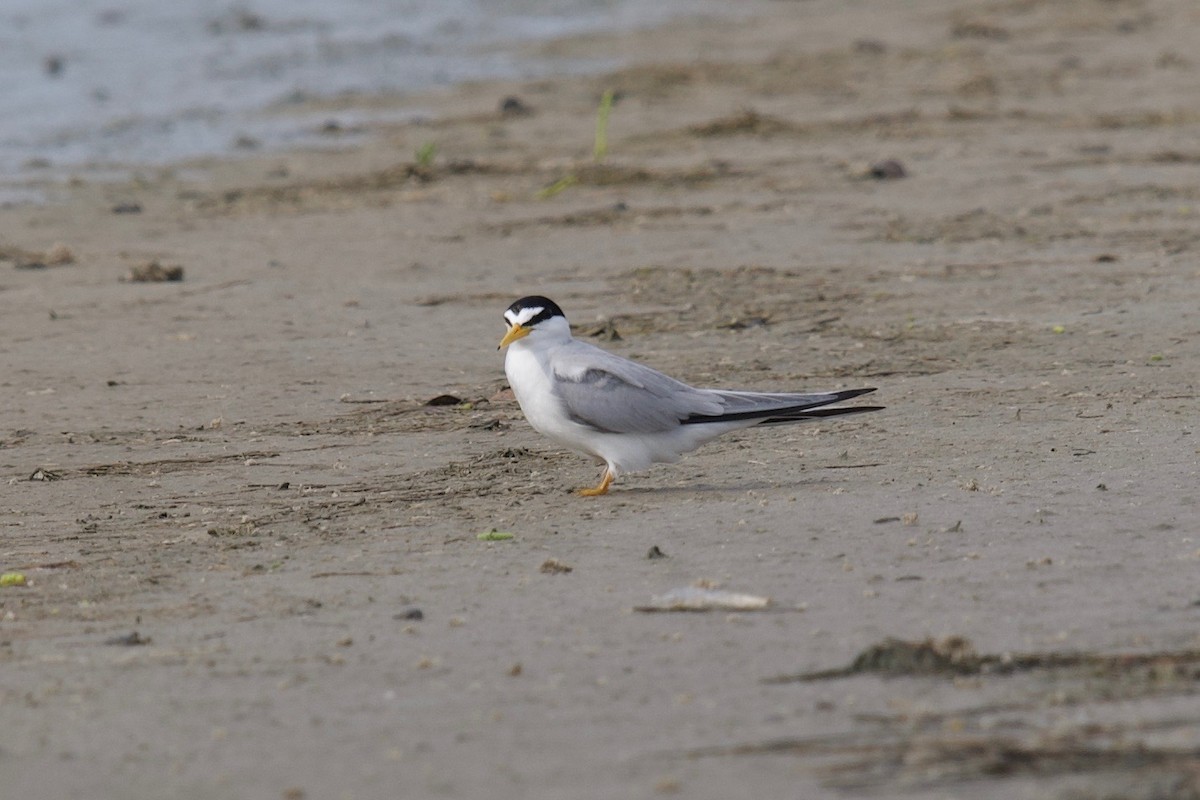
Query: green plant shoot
601,147
425,154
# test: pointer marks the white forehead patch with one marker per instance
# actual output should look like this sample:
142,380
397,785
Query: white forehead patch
523,316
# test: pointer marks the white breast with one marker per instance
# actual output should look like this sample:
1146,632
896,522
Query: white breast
531,381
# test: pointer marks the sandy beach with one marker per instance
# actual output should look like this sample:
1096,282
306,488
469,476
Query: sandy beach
250,545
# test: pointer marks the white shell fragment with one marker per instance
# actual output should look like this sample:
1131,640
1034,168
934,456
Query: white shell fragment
694,598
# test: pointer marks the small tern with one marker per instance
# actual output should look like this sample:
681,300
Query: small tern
624,414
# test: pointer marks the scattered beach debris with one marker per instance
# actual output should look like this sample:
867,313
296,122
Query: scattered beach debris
979,29
956,655
240,529
53,565
951,655
746,121
700,598
937,760
57,255
552,566
13,579
236,20
743,323
332,127
967,742
871,47
42,474
153,272
133,639
605,330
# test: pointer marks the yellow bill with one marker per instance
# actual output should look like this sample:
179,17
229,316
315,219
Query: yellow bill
517,331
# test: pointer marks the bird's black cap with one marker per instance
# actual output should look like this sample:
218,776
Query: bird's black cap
548,309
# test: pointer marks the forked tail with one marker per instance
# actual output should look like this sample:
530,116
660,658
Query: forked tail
770,408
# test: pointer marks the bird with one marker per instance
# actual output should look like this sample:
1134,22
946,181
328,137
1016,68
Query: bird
624,414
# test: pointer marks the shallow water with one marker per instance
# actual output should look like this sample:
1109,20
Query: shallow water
92,82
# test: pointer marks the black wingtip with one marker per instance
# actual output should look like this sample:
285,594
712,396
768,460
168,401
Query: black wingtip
846,394
819,413
791,413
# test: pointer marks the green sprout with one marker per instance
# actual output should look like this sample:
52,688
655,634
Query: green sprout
425,154
557,186
494,536
600,149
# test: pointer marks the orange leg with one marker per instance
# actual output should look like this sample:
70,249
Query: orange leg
605,482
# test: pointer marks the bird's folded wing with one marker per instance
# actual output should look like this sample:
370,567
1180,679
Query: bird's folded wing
614,395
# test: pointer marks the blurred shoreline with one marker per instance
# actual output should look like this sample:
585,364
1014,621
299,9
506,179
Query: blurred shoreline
99,88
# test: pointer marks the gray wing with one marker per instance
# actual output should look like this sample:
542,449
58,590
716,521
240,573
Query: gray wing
616,395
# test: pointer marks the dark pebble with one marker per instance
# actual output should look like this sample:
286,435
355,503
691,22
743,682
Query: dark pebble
888,170
513,106
410,613
872,47
134,639
127,208
655,552
444,400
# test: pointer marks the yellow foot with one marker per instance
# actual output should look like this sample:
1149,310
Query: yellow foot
598,490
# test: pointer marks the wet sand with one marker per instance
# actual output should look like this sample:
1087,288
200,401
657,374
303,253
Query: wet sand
242,467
